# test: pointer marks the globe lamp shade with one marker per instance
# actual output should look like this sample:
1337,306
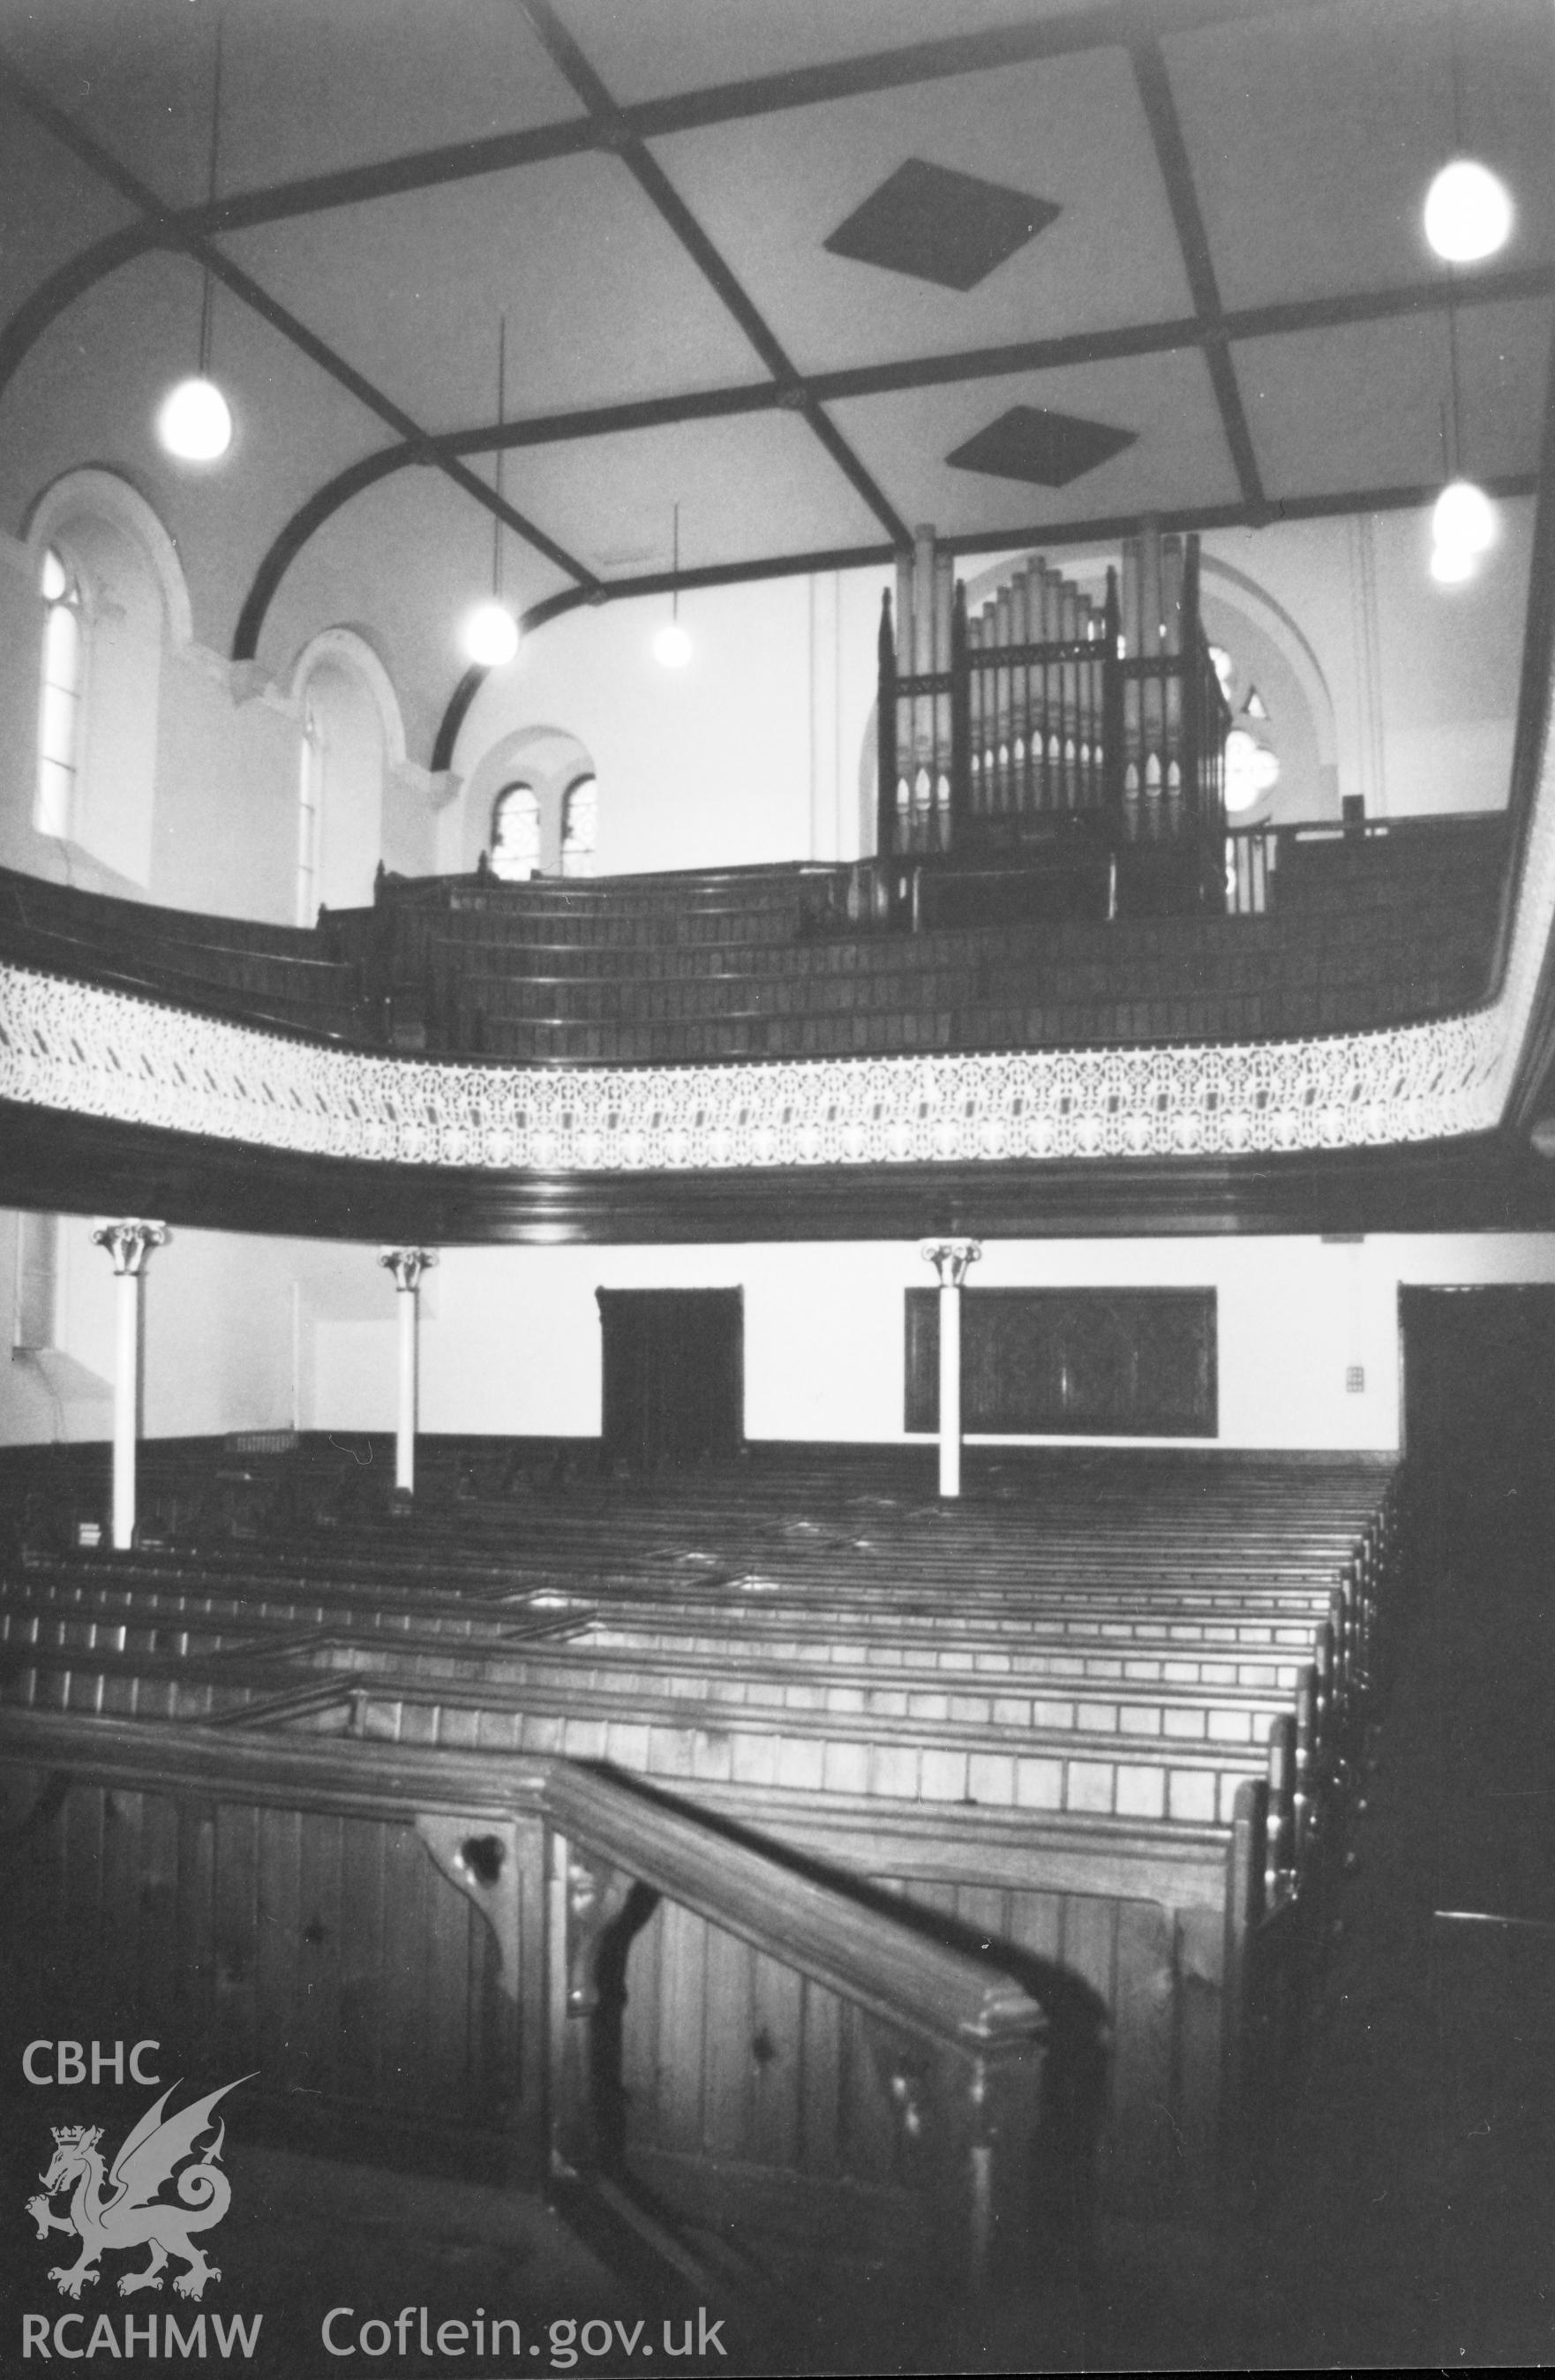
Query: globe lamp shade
1451,565
491,635
1463,518
194,421
1468,212
671,646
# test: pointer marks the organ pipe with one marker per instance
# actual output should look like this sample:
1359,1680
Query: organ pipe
1052,697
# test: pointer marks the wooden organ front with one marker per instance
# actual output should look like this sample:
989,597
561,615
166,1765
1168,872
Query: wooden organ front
1056,722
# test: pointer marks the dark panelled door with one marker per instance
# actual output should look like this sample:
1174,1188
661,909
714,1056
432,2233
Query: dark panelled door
674,1375
1479,1392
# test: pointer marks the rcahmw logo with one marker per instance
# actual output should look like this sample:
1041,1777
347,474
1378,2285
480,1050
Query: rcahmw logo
124,2210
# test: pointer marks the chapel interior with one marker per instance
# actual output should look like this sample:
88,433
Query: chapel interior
777,1174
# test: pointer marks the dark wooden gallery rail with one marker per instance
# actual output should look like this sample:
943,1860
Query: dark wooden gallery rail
1323,933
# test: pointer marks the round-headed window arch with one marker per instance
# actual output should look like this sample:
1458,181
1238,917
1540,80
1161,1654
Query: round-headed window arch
580,825
59,696
558,770
515,833
113,602
353,735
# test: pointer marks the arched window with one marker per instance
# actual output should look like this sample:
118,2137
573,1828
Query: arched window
59,704
580,820
310,801
552,767
516,834
1252,762
114,607
352,741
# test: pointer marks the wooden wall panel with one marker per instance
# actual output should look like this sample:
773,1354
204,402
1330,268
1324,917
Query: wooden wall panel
1070,1362
776,2131
332,1954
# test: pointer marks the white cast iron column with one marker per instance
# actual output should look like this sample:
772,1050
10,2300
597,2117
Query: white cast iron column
129,1243
951,1259
407,1265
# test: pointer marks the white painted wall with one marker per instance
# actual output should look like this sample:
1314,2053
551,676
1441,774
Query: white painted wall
245,1333
1423,678
760,750
515,1346
750,753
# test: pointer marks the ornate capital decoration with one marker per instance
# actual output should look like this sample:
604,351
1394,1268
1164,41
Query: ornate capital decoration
407,1265
950,1258
129,1242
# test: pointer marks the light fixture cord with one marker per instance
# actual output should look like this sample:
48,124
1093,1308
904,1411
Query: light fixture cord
675,568
1456,462
501,423
207,291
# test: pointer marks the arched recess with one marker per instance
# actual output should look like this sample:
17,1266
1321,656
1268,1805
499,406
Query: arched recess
549,760
1279,696
93,503
134,608
352,734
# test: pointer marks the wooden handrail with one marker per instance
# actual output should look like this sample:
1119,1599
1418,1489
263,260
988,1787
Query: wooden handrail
959,2047
898,1974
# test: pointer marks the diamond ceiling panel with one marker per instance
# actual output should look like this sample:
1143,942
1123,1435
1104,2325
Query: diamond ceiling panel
1310,128
1178,458
1047,450
949,228
770,193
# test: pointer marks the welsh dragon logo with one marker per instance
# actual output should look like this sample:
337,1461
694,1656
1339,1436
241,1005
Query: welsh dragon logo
129,2213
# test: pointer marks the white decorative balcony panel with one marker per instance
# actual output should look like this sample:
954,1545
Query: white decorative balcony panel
65,1045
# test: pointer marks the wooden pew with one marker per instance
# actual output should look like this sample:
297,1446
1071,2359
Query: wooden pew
427,1945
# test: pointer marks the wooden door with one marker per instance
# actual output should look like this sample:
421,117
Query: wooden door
674,1366
1480,1395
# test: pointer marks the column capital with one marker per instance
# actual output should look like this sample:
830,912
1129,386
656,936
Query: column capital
407,1265
129,1242
950,1258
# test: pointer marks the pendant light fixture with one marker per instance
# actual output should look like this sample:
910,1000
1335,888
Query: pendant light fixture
194,421
1468,212
671,644
490,631
1467,217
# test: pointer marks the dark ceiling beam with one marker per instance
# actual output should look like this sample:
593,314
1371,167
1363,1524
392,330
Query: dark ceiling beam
63,286
36,103
1066,34
1520,283
304,524
661,194
1171,152
1047,536
1287,319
